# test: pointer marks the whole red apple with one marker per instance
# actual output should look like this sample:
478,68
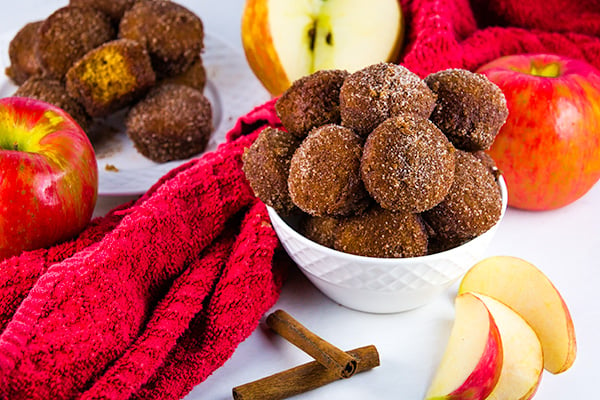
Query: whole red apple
549,148
48,176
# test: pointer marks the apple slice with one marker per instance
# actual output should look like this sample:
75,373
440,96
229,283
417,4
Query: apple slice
472,361
522,359
525,289
287,39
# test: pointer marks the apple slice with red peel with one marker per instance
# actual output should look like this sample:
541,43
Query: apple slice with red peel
286,39
527,290
522,359
472,361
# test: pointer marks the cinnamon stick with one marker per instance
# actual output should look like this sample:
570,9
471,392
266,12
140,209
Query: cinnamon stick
330,356
302,378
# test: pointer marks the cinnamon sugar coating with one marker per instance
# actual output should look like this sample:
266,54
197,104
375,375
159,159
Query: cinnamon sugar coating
382,233
407,164
324,174
266,166
311,101
21,52
172,34
380,91
470,109
67,35
472,206
172,122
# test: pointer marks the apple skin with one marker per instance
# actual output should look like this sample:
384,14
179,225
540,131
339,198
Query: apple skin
522,358
486,374
262,58
48,176
472,319
549,148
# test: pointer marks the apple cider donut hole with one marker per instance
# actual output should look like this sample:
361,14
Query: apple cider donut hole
21,52
311,101
382,233
267,165
325,172
470,109
172,34
472,206
407,164
67,35
110,77
373,94
172,122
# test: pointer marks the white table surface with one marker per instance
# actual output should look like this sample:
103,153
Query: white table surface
564,243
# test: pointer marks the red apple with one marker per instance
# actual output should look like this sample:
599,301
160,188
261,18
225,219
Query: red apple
48,176
549,148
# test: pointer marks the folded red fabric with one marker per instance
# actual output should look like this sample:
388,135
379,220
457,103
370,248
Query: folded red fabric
150,299
468,33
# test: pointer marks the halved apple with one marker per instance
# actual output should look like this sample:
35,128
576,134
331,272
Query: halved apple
522,360
286,39
527,290
472,361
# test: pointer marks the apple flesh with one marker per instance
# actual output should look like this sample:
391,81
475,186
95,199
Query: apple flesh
287,39
522,359
549,148
48,176
524,288
472,362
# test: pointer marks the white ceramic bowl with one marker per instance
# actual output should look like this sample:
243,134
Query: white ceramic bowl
381,285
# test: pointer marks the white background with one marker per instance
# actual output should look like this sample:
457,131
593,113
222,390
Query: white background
564,243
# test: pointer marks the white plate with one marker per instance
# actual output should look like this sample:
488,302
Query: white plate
231,88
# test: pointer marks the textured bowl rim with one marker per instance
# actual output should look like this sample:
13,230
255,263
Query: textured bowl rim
278,221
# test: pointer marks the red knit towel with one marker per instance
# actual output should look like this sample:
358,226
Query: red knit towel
466,34
152,298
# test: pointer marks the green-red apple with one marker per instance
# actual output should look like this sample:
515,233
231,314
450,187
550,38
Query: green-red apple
472,362
286,39
48,176
549,148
